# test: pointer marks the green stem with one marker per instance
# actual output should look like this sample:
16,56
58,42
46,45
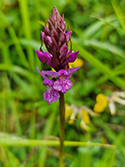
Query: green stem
61,129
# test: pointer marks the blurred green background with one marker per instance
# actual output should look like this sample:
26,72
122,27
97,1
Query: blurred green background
99,34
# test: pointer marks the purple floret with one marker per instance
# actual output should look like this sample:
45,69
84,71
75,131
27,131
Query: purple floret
51,95
44,57
63,83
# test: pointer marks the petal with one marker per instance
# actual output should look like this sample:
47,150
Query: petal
62,72
68,35
63,50
51,95
46,39
84,126
99,108
42,35
72,118
112,107
50,73
62,37
44,77
68,110
62,85
85,117
44,57
102,100
120,94
63,25
72,57
48,82
49,40
76,63
119,100
71,71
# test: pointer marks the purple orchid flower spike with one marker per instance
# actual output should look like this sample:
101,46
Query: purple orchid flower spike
56,38
50,94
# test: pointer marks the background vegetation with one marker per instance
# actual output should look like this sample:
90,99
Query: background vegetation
99,34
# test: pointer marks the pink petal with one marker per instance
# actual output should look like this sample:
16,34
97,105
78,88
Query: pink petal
63,50
51,95
62,85
71,71
72,57
50,73
68,35
44,57
62,72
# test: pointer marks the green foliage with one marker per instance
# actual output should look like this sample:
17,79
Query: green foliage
28,126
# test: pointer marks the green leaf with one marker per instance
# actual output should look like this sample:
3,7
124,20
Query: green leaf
27,29
119,12
106,46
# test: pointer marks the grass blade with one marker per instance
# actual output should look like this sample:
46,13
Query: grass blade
119,12
99,65
27,29
26,142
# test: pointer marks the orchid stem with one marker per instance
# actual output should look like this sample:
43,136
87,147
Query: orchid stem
61,128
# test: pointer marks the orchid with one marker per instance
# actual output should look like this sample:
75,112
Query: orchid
58,56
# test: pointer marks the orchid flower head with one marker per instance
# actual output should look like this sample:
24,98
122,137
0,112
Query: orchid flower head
57,40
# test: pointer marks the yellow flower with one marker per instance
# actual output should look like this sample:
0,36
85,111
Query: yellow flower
98,107
85,116
71,121
68,111
84,126
53,69
101,104
101,98
76,63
